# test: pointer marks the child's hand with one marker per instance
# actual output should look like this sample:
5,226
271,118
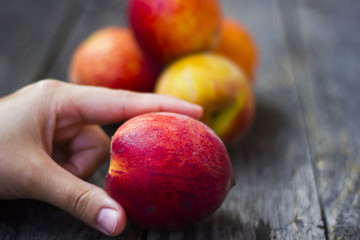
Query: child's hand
49,141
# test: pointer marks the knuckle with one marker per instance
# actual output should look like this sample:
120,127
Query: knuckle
81,203
125,94
47,86
43,89
47,94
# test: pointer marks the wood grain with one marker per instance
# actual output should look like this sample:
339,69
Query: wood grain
271,198
324,46
98,14
297,170
31,34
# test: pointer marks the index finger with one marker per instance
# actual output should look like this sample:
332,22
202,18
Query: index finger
99,105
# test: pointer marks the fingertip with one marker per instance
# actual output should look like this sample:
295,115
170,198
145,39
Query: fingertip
110,221
183,107
198,111
79,198
193,110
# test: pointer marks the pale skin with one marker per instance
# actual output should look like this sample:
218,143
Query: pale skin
51,142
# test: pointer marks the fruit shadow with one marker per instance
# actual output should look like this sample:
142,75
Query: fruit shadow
110,129
98,178
222,224
269,124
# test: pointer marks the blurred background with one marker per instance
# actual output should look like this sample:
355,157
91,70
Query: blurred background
298,168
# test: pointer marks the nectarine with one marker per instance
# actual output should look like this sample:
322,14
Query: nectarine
168,170
237,43
110,57
217,84
169,29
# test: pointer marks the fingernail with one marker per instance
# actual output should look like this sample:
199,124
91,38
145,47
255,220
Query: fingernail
107,220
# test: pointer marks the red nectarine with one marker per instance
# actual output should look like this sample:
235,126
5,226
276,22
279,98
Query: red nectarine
167,170
168,29
110,57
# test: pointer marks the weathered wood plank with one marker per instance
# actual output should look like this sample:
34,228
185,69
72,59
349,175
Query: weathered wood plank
31,33
324,47
98,15
25,219
275,196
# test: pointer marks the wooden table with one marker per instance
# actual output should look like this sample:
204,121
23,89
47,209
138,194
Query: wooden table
297,170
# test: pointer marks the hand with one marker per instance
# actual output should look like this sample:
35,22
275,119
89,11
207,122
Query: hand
49,142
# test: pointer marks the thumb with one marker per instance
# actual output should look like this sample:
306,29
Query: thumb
87,202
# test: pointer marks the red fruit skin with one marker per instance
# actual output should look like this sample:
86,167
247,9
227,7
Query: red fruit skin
110,57
167,170
169,29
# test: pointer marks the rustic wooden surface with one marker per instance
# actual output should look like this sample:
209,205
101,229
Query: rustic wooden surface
297,170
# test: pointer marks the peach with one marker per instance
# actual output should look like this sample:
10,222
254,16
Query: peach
168,170
169,29
237,43
218,85
110,57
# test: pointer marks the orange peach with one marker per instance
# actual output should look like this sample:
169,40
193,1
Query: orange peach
111,58
169,29
218,85
237,43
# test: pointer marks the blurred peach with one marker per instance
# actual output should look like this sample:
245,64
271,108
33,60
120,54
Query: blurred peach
218,85
237,43
110,57
169,29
